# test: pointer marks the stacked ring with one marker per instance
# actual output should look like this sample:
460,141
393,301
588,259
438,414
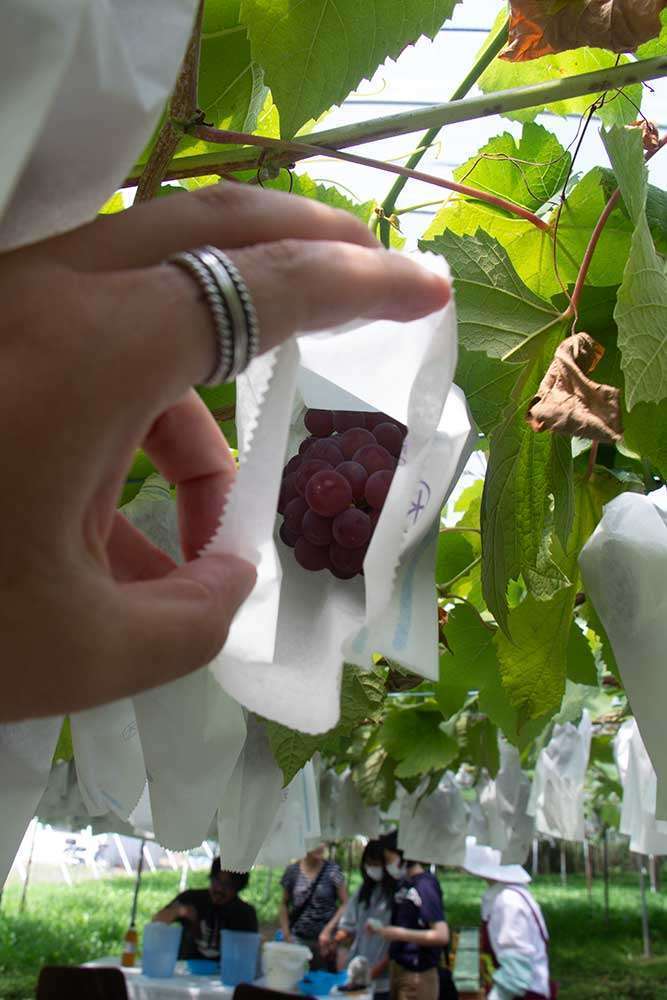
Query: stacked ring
230,307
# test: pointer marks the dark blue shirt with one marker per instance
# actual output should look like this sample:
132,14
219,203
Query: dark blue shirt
417,905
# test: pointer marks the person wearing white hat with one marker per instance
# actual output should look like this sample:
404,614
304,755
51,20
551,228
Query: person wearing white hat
514,932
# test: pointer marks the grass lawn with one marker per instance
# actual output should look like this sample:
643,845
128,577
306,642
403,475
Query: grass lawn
591,959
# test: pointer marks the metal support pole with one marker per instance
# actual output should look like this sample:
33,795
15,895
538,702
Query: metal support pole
588,870
26,880
120,847
184,874
536,857
563,863
652,873
605,863
137,885
646,934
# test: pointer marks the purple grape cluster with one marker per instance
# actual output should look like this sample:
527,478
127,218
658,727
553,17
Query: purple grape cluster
333,491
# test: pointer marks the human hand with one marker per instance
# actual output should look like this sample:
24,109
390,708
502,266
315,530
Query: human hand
187,912
99,349
324,941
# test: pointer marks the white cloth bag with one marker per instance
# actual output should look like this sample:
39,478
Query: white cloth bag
557,795
287,645
433,828
624,568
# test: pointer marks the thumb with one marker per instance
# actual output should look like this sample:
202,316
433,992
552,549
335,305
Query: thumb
177,623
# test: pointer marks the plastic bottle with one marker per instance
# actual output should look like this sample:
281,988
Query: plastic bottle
130,940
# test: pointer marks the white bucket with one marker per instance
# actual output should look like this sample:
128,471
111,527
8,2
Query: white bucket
284,964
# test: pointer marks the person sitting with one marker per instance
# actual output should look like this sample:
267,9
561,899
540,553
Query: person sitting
418,931
314,895
514,933
204,913
372,901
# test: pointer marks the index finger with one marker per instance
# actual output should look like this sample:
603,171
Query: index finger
226,215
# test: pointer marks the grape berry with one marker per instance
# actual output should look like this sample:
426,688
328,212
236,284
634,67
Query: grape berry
333,491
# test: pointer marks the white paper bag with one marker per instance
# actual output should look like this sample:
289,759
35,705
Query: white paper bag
286,648
251,800
26,750
296,827
647,835
624,568
109,759
329,789
354,818
513,788
433,828
557,795
83,85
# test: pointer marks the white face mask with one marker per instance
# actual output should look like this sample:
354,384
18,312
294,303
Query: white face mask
374,872
395,869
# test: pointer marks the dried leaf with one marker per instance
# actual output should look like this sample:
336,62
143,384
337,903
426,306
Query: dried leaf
650,134
568,402
542,27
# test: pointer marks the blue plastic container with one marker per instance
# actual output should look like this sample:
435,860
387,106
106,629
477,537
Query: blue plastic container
202,966
239,951
161,944
320,983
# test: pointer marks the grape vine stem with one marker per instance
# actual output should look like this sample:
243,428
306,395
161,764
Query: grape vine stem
469,109
571,311
300,150
183,110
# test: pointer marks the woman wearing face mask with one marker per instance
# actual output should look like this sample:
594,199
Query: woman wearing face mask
372,901
418,931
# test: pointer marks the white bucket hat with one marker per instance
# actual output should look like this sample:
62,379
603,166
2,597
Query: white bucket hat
486,862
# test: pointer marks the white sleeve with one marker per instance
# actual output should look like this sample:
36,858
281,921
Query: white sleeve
350,916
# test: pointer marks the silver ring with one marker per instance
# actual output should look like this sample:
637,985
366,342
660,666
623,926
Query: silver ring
231,309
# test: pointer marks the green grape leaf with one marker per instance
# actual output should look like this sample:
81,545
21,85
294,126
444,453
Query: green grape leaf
113,204
657,46
487,383
412,736
455,554
581,667
469,663
530,250
515,502
503,75
533,661
477,740
656,208
497,313
545,578
590,616
641,311
315,53
529,171
533,655
562,484
361,699
374,775
64,748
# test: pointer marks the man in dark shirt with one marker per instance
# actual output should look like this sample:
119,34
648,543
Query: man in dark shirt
204,913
